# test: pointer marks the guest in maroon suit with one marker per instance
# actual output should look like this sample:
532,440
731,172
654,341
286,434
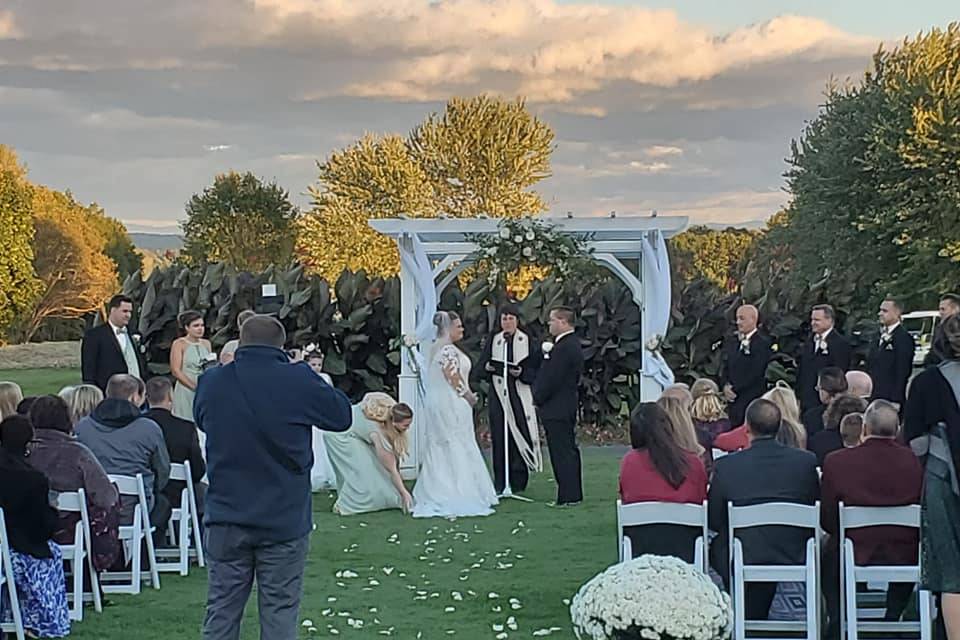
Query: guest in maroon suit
879,473
659,469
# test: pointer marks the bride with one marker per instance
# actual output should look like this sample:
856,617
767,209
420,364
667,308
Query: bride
453,479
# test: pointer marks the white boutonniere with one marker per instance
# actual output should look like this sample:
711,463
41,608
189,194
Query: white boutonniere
546,347
136,341
745,346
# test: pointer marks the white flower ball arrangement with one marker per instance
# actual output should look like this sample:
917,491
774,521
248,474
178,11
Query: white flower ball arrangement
651,598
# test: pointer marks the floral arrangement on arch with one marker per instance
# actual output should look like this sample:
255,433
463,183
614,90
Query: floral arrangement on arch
527,241
651,598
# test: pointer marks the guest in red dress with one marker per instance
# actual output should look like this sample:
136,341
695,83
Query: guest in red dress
659,469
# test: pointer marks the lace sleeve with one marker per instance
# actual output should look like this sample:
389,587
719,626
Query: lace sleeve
449,356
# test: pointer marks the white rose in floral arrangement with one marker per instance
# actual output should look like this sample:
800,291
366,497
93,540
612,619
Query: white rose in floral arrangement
518,238
651,598
409,341
531,235
527,252
504,233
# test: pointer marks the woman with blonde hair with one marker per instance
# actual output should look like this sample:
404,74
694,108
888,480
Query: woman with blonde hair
81,400
366,457
791,434
709,411
10,397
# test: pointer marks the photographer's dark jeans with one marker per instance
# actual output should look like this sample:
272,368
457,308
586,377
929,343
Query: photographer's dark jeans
237,555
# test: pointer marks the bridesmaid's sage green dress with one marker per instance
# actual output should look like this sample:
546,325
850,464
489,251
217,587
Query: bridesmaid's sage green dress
363,485
193,357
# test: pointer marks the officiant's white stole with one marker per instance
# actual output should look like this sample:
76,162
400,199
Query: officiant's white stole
521,351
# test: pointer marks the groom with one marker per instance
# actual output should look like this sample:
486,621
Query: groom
556,396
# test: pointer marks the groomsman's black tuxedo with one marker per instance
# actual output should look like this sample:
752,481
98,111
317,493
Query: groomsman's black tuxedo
890,364
555,392
812,362
745,369
101,357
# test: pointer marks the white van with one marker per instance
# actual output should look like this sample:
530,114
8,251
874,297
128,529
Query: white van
921,325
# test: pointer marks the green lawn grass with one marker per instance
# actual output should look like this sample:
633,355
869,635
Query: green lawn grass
41,381
409,572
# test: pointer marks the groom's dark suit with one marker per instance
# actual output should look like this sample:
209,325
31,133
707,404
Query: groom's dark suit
101,357
557,399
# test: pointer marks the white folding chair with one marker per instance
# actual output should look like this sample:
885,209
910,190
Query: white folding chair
184,527
133,537
852,573
81,550
775,514
7,581
646,513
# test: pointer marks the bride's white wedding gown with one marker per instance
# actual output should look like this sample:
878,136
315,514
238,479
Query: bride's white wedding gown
453,479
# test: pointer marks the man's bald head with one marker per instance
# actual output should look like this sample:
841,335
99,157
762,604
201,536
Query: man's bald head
747,318
860,384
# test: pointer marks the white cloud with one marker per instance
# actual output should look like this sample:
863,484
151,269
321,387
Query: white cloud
660,151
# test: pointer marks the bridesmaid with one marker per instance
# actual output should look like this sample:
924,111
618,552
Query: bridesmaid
321,475
366,458
187,357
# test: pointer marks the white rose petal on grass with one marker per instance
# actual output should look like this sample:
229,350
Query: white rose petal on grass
387,570
512,623
456,595
497,627
502,636
307,623
449,609
493,596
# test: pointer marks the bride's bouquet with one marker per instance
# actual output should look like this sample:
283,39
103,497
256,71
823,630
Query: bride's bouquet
651,598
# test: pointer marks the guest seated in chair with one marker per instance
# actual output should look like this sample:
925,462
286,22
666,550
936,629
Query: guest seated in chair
659,469
181,436
127,443
880,472
765,472
35,558
71,466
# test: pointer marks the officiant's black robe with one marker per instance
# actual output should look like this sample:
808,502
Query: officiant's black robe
519,474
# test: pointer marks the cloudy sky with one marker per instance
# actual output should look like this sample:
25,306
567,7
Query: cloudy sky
684,106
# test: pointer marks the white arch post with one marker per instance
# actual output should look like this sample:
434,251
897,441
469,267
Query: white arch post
435,251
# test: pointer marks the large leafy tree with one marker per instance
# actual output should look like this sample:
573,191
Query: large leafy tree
240,221
117,243
18,285
482,156
701,252
75,274
875,179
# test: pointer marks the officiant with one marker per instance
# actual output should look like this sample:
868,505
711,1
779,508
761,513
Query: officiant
512,352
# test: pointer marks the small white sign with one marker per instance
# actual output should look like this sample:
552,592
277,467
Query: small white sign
268,290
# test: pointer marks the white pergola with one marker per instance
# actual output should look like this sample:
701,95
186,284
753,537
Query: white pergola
443,243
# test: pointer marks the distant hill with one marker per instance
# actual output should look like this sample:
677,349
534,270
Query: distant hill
158,242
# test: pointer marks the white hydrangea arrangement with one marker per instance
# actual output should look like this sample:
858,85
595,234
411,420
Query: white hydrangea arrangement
651,598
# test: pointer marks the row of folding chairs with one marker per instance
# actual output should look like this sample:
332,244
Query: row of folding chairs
137,543
800,516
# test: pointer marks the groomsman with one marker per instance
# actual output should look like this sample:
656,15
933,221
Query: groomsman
110,349
555,392
824,348
949,306
512,423
745,358
891,358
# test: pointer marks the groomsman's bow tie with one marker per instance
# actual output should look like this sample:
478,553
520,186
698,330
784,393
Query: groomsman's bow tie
121,331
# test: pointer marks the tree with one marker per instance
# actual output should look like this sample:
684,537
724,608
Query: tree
701,252
117,244
875,179
18,284
75,275
480,157
240,221
374,178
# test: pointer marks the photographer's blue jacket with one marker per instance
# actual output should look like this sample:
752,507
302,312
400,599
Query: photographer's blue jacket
258,413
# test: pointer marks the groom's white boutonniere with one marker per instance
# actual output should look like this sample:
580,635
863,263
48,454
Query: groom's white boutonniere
546,347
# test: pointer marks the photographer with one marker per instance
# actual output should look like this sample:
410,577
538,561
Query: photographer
258,413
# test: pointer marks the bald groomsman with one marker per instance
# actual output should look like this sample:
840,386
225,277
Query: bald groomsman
745,358
891,357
